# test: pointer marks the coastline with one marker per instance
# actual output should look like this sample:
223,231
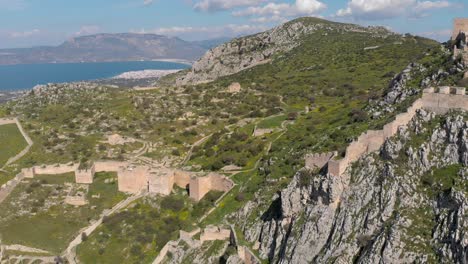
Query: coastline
144,74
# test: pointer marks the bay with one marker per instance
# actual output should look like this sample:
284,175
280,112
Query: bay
26,76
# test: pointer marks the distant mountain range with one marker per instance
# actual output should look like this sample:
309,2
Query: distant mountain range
111,47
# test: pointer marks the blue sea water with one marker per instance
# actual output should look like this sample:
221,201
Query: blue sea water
26,76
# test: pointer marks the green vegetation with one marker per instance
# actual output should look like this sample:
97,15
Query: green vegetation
35,214
12,142
137,234
272,122
443,179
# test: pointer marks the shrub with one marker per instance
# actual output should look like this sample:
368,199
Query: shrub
240,197
172,203
84,237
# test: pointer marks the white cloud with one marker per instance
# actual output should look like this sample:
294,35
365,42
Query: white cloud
301,7
198,33
220,5
427,5
440,35
382,9
147,2
24,34
87,30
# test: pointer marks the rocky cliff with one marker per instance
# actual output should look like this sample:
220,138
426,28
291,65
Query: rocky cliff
406,204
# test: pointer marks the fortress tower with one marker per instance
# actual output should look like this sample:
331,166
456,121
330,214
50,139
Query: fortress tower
459,25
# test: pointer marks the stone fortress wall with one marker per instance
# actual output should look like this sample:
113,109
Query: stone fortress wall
440,102
459,25
7,121
200,186
136,178
318,160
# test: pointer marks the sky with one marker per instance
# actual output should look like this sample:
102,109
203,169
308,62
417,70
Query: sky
26,23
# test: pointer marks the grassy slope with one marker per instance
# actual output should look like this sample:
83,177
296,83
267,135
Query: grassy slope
11,142
51,228
137,234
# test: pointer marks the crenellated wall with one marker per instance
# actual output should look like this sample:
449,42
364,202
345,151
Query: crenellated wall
318,160
440,102
55,169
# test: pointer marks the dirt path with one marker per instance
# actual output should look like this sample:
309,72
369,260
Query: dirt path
70,252
198,143
26,249
24,151
8,187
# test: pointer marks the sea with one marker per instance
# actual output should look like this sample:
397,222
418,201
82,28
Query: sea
26,76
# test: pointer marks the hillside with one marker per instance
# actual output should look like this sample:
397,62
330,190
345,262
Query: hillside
109,47
254,110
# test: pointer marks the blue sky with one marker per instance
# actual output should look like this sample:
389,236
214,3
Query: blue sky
25,23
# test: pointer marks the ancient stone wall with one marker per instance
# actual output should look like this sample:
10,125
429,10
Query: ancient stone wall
85,176
318,160
247,256
460,25
29,172
199,187
7,121
220,182
445,99
55,169
161,181
109,165
133,179
182,178
215,233
76,200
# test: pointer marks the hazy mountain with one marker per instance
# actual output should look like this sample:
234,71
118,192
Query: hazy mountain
211,43
109,47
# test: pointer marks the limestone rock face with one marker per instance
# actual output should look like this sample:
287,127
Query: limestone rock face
380,213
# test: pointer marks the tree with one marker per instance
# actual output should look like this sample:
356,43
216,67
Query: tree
84,236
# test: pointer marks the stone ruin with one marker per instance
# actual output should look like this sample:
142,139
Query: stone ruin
460,38
440,102
138,178
234,88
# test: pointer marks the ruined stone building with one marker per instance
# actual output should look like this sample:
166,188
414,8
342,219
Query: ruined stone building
460,38
140,178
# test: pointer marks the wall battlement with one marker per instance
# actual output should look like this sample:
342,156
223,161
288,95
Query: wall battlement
459,25
318,160
439,100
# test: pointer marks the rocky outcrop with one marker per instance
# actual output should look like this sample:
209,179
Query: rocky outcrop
390,209
247,52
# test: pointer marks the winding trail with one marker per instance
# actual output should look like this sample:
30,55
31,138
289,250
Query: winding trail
198,143
24,151
70,252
